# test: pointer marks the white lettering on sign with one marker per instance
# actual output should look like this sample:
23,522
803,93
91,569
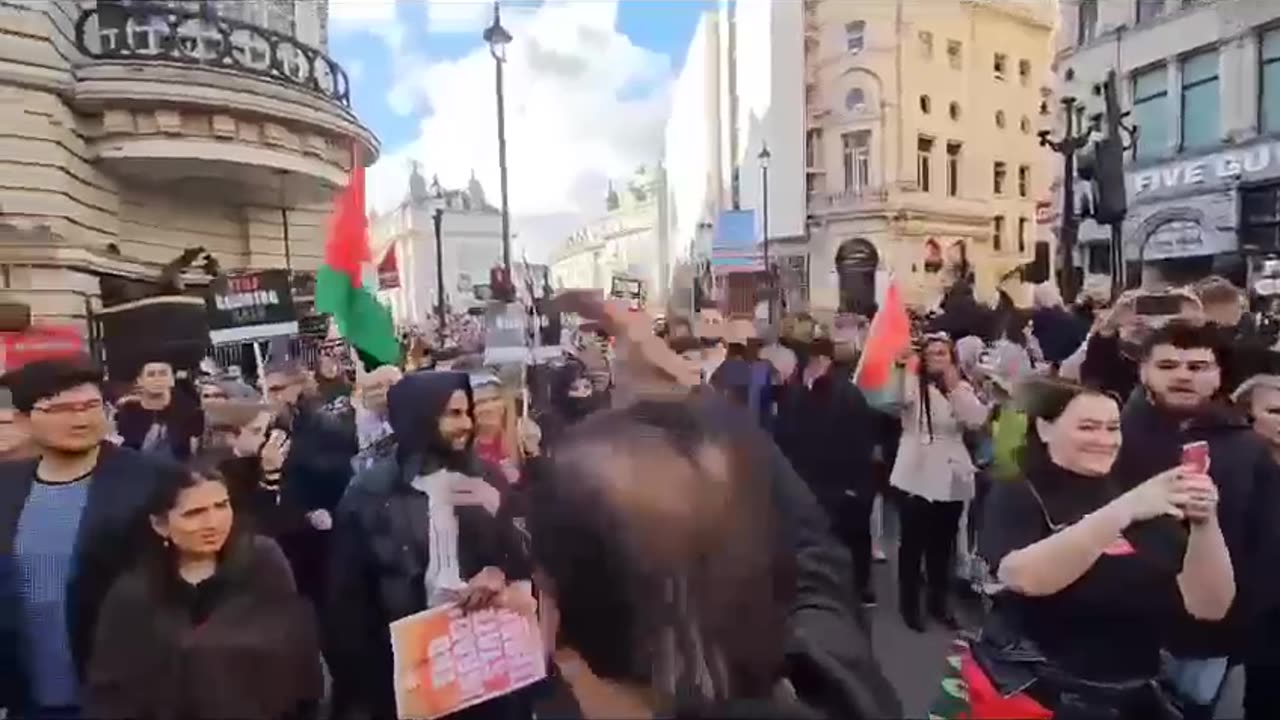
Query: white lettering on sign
254,298
1228,165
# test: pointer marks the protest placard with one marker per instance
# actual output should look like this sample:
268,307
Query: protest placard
446,660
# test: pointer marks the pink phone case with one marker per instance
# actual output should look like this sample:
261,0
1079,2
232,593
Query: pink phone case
1195,457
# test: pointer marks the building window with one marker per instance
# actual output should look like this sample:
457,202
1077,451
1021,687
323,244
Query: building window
813,148
1269,97
1024,181
855,36
271,15
1025,125
924,163
1024,72
926,105
953,110
1149,9
926,44
953,169
997,233
856,147
1086,21
953,53
1260,213
1000,120
1151,111
999,173
1000,65
1200,122
1022,235
855,100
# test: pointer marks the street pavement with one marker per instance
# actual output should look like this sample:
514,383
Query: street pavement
914,661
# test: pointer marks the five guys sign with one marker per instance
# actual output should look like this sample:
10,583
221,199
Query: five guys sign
260,300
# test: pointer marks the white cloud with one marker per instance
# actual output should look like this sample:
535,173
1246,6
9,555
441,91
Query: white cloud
459,16
574,117
374,16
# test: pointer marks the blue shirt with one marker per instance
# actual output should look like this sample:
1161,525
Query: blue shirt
44,549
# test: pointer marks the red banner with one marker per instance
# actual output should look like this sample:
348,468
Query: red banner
39,342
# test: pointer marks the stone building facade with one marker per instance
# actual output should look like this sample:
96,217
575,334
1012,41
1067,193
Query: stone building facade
1202,83
132,131
923,158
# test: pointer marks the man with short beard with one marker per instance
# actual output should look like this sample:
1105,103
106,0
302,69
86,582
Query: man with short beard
70,521
1181,376
416,531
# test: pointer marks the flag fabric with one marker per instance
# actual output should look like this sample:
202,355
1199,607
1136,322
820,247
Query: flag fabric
887,338
340,287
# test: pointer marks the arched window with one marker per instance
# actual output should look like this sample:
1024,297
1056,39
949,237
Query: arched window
855,99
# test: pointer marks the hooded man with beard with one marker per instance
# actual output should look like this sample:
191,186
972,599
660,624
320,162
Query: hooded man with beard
1181,373
418,530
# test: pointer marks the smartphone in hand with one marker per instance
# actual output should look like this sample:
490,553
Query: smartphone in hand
1195,457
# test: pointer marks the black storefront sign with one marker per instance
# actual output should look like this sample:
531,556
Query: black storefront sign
249,299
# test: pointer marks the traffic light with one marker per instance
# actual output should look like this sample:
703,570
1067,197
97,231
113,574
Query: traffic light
1102,164
501,286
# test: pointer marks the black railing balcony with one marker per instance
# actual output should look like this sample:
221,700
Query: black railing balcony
161,32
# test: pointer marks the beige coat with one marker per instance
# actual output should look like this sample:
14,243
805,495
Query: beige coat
937,467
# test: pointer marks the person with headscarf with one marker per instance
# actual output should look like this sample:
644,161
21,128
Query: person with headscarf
418,530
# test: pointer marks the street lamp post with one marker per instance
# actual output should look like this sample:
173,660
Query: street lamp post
437,219
498,39
1072,141
763,157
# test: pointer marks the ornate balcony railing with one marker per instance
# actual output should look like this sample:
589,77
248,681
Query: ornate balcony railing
157,32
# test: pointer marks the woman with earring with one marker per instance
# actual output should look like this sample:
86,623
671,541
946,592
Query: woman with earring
209,624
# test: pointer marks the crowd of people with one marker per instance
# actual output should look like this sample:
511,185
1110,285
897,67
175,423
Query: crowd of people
692,514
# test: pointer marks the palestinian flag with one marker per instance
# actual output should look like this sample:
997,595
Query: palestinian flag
887,338
340,288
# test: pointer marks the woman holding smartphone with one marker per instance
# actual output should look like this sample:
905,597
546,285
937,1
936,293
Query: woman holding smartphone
1089,575
933,474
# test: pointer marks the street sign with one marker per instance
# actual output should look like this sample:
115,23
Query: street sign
506,334
251,306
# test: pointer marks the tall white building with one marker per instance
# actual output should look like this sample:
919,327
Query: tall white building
1202,81
471,230
626,243
741,89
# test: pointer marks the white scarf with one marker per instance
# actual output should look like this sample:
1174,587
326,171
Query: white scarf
443,578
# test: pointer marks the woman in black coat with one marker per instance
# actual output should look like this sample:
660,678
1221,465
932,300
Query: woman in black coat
208,625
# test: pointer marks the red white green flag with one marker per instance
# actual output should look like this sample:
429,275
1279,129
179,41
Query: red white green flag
340,288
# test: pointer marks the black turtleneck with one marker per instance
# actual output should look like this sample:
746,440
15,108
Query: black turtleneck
1108,625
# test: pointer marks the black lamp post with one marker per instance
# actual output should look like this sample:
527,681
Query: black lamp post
437,219
1072,141
498,39
763,157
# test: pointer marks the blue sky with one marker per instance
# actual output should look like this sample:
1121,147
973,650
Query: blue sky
587,94
664,26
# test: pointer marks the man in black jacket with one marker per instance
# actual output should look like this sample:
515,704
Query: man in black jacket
1181,376
70,522
826,429
316,472
391,558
